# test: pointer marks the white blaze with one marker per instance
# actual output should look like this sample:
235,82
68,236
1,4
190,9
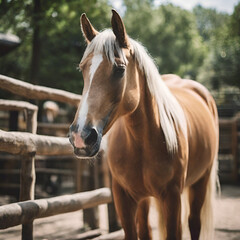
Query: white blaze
82,116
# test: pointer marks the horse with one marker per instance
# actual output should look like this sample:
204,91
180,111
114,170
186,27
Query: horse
161,134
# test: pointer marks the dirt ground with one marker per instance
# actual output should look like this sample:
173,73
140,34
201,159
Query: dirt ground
227,212
69,226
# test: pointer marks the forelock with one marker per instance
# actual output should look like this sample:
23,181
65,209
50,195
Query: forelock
105,43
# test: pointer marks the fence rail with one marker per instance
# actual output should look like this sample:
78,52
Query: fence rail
25,212
228,150
17,105
27,143
31,91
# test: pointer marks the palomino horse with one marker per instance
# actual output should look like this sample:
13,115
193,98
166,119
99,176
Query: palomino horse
162,134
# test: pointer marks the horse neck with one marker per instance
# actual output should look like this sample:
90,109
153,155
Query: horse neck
144,120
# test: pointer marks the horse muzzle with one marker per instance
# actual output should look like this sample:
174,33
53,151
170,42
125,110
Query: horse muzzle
86,142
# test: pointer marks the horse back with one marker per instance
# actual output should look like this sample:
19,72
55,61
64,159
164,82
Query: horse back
174,81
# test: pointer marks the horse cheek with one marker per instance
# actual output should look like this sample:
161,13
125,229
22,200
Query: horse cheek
130,102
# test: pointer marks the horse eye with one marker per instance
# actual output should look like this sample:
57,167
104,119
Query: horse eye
119,70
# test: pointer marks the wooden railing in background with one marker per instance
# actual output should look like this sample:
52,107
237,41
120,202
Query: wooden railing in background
229,150
28,145
26,212
28,175
31,91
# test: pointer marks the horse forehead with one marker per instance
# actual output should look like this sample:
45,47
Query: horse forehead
99,69
95,63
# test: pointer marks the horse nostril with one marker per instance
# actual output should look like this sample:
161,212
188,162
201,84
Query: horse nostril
92,137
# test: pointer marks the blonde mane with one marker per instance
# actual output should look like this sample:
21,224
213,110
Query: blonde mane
172,118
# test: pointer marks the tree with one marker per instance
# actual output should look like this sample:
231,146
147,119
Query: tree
235,22
64,44
209,22
15,18
170,35
222,67
180,41
52,43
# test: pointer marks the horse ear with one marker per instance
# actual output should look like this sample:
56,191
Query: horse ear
119,30
88,30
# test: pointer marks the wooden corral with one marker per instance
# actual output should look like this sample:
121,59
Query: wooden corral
12,214
228,150
31,91
28,145
24,143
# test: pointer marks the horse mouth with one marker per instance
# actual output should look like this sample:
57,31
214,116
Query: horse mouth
87,152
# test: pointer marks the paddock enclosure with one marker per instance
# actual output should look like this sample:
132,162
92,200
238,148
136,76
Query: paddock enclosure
28,148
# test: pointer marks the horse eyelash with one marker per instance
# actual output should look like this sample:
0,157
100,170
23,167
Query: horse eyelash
119,65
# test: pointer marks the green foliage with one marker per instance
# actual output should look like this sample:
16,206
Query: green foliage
15,19
62,44
226,63
222,65
235,22
170,35
210,23
202,44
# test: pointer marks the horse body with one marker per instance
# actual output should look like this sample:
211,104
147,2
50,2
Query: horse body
136,144
162,134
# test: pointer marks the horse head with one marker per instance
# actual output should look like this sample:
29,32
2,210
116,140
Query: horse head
110,86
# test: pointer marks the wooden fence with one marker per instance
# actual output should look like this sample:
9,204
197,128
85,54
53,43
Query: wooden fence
30,91
229,145
28,145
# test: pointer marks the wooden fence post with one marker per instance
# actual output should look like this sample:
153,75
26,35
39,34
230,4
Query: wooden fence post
113,223
32,120
90,216
235,149
28,175
27,186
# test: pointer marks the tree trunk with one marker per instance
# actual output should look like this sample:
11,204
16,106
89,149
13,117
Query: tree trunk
36,42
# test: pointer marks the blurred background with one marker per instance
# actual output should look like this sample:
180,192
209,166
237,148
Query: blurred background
200,42
41,43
